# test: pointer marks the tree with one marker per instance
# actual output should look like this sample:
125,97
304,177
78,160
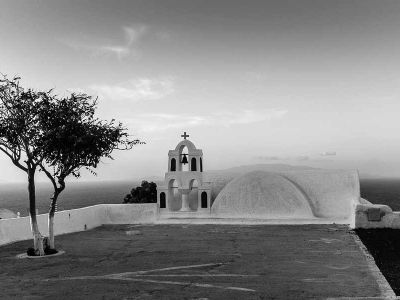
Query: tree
146,193
74,139
20,135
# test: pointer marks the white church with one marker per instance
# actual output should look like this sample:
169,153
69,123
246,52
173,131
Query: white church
309,196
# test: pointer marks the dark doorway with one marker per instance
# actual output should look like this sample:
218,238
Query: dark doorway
203,200
163,202
173,165
193,165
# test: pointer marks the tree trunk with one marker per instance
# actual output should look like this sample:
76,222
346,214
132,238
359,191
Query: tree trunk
37,237
51,219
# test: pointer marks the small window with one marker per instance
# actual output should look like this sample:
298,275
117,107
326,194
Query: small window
203,200
193,165
201,165
173,165
163,202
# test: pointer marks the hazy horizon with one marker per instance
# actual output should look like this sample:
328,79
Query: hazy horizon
307,82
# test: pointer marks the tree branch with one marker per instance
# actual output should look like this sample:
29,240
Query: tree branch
14,161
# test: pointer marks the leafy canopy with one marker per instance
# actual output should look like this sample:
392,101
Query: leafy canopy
20,123
75,138
146,193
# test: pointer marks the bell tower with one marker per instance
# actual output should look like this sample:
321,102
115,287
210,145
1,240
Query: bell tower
184,189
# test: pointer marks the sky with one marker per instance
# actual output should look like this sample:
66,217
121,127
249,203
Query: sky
300,82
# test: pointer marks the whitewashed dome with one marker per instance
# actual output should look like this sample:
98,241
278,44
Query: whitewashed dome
261,194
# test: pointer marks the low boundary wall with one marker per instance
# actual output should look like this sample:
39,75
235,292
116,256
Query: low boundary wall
366,215
74,220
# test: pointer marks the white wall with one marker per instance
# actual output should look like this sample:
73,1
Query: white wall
130,213
332,193
67,221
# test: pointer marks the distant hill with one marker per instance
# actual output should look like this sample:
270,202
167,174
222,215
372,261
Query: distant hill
260,167
220,178
157,179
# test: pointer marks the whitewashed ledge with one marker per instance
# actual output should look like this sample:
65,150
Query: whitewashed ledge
74,220
368,215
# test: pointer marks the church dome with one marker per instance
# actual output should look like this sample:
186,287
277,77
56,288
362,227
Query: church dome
261,194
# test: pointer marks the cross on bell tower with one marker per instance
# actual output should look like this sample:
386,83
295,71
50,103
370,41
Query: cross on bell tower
184,135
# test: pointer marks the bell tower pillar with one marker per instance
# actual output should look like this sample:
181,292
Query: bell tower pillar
185,199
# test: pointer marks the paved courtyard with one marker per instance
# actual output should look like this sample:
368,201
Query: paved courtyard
193,262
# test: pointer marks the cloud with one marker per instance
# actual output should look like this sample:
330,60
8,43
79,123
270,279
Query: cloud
287,158
328,153
118,51
76,90
246,116
132,36
302,158
268,157
137,89
162,122
252,76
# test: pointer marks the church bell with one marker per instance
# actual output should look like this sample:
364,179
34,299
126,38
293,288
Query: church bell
184,159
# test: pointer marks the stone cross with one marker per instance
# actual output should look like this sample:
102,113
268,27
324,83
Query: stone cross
184,135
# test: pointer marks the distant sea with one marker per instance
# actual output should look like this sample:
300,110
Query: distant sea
81,194
77,194
382,191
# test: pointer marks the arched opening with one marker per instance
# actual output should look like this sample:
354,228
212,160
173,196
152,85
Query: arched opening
174,198
194,194
204,200
193,166
201,165
182,153
173,165
163,201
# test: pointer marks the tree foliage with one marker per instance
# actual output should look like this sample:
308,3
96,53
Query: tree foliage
20,130
74,139
146,193
21,133
59,135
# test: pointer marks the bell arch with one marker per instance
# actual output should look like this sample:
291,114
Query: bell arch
191,147
183,159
